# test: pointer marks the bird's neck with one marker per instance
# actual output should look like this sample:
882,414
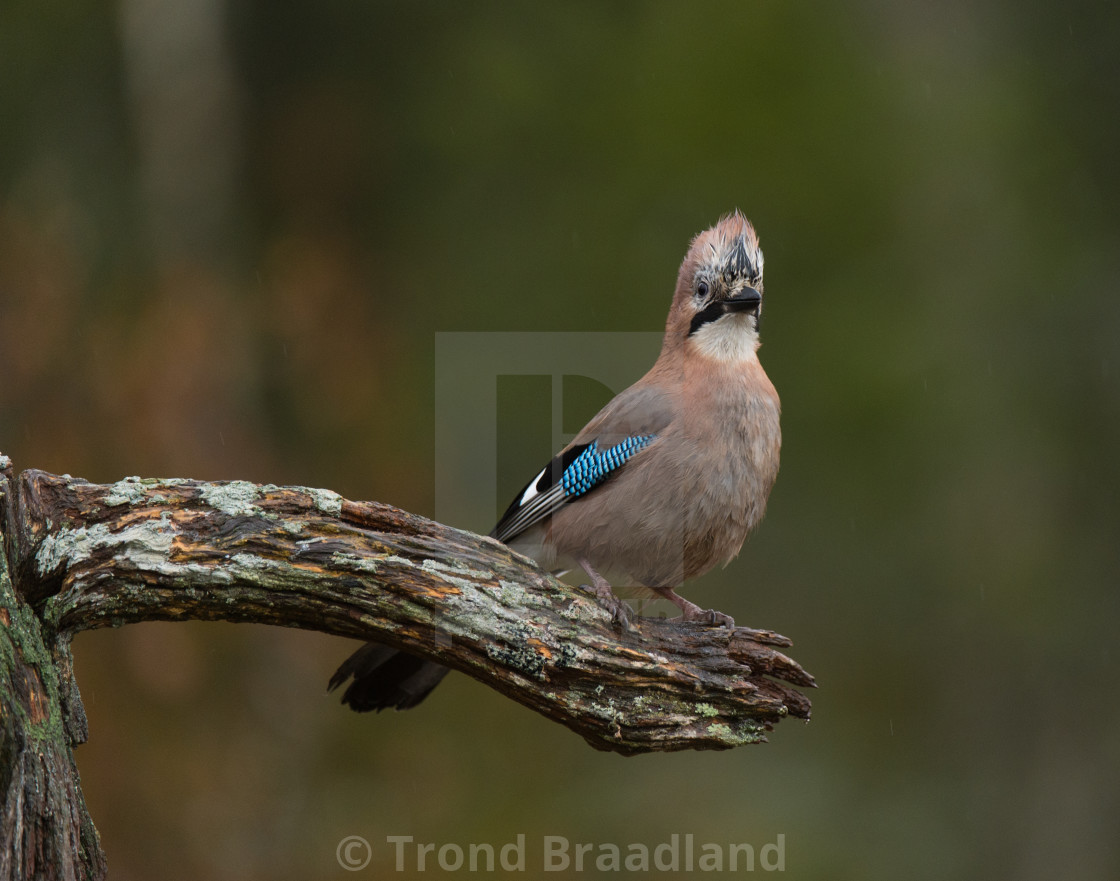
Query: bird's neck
732,341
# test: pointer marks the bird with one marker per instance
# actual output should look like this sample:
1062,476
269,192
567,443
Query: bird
663,484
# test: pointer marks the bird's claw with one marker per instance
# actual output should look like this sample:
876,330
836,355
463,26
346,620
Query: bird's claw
707,616
622,616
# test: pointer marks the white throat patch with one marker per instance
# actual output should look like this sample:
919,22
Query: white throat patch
729,339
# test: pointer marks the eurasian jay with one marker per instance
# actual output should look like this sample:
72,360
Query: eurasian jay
664,483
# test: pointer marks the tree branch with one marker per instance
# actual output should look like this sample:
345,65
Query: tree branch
77,555
103,555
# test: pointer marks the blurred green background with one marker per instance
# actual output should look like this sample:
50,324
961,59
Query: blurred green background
229,233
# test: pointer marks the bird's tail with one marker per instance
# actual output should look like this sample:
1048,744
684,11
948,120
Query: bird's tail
384,677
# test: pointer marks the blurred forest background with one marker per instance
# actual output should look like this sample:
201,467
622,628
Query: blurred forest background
230,232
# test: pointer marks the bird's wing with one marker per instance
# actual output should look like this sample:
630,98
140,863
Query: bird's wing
621,430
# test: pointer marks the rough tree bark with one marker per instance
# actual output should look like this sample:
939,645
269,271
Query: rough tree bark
80,555
45,829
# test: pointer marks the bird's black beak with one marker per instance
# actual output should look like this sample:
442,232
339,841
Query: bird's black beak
746,300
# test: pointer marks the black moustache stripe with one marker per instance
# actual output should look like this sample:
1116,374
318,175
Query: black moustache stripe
708,314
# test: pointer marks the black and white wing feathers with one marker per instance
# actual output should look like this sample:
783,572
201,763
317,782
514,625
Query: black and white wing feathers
622,429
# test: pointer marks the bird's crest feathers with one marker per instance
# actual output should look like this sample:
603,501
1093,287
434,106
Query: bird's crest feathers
729,251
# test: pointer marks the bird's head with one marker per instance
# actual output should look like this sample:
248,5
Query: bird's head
718,301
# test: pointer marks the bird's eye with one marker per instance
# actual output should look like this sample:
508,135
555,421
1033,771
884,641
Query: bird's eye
702,289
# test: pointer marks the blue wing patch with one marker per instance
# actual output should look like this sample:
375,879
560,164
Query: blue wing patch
593,465
571,474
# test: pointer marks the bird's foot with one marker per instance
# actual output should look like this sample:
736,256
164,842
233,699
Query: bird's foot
711,617
622,616
692,612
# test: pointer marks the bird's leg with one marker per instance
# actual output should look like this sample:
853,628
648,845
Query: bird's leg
692,612
622,615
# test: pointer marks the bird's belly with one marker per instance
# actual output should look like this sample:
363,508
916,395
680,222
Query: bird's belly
678,522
